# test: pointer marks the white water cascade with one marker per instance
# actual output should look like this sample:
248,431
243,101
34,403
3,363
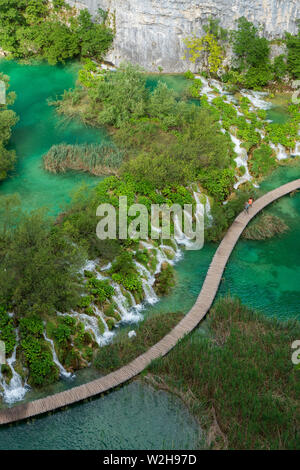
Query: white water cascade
256,99
148,280
241,160
62,370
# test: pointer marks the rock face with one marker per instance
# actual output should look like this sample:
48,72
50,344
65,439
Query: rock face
150,32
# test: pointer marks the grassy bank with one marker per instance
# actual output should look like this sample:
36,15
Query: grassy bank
97,159
264,226
125,349
239,381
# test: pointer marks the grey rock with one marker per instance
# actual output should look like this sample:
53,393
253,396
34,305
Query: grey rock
151,32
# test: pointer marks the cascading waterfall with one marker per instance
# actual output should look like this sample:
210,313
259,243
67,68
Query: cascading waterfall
281,153
15,390
211,88
148,281
62,370
241,161
256,98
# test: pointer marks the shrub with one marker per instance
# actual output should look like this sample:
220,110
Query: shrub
262,161
219,183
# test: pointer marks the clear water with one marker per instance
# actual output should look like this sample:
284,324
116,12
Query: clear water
265,275
134,417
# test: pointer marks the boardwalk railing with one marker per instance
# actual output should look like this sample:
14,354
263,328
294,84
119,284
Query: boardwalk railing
185,326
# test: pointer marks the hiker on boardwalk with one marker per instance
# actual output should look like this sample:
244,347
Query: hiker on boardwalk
248,204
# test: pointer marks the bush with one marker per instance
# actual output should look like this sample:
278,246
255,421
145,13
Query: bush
218,183
125,349
293,58
53,34
262,161
165,280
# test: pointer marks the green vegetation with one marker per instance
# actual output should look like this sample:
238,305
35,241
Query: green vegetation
262,161
165,280
293,56
51,30
239,381
166,140
97,159
73,344
219,183
36,353
8,119
252,66
7,331
38,267
264,226
123,271
125,349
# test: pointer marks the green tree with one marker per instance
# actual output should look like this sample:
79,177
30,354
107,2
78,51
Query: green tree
39,267
293,58
122,94
95,39
250,49
8,120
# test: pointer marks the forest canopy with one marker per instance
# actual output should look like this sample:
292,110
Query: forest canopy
51,30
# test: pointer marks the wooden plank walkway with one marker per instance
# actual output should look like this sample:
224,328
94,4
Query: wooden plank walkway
185,326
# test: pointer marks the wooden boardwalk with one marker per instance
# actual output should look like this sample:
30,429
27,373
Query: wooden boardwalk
185,326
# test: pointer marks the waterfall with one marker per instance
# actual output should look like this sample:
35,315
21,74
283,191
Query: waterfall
62,370
255,97
15,390
280,151
91,325
147,281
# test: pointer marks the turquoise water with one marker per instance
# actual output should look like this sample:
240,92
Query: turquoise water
38,129
134,417
265,275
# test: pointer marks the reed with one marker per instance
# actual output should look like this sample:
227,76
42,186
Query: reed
97,159
265,226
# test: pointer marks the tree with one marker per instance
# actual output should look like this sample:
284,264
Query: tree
293,58
8,119
250,49
95,39
122,94
39,267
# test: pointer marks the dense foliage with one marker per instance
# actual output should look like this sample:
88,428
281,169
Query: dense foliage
51,30
38,266
293,56
166,140
8,119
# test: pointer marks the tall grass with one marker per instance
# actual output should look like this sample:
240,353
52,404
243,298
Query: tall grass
264,226
125,349
97,159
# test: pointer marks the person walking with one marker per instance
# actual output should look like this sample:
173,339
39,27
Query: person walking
247,206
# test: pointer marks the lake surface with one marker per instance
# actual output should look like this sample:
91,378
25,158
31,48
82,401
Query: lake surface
265,275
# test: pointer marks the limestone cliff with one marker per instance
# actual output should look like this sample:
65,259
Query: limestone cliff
150,32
